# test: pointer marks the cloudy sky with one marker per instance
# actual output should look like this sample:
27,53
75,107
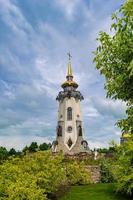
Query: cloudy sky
35,36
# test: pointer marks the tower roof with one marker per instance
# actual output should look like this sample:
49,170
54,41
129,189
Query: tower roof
69,77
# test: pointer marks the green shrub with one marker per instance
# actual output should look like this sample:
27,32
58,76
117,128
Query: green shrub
76,174
38,175
106,174
31,177
122,169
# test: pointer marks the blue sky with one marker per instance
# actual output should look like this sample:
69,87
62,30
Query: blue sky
35,36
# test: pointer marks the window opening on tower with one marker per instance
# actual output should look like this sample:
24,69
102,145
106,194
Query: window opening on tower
69,113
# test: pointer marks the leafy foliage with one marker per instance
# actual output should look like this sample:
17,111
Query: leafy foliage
76,174
123,168
111,149
33,147
36,175
44,146
12,152
3,153
106,174
114,59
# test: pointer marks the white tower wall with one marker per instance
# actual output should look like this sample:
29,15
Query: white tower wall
69,132
76,116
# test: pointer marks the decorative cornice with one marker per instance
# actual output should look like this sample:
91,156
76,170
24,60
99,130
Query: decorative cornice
63,94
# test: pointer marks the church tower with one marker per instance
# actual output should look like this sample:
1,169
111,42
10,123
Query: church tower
69,132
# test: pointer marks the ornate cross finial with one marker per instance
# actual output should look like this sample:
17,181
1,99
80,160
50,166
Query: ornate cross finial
69,73
69,56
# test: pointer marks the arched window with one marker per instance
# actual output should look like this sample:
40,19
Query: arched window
80,130
69,113
84,143
59,131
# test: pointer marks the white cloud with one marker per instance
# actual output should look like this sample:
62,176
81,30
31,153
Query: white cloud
91,112
118,133
51,74
19,142
34,64
96,106
9,94
97,144
33,124
13,17
72,8
67,7
115,108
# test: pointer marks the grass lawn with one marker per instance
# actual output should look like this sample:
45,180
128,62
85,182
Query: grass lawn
93,192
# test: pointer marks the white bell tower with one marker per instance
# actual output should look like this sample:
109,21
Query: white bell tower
69,133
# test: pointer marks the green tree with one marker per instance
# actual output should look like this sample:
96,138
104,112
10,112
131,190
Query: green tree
44,147
33,147
123,168
12,152
25,150
114,59
3,153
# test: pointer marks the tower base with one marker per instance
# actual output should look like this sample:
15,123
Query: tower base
80,146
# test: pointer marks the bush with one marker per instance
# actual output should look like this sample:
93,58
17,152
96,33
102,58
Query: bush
106,174
31,177
38,175
123,168
76,174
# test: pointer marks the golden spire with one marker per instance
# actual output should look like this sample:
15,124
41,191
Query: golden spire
69,82
69,73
